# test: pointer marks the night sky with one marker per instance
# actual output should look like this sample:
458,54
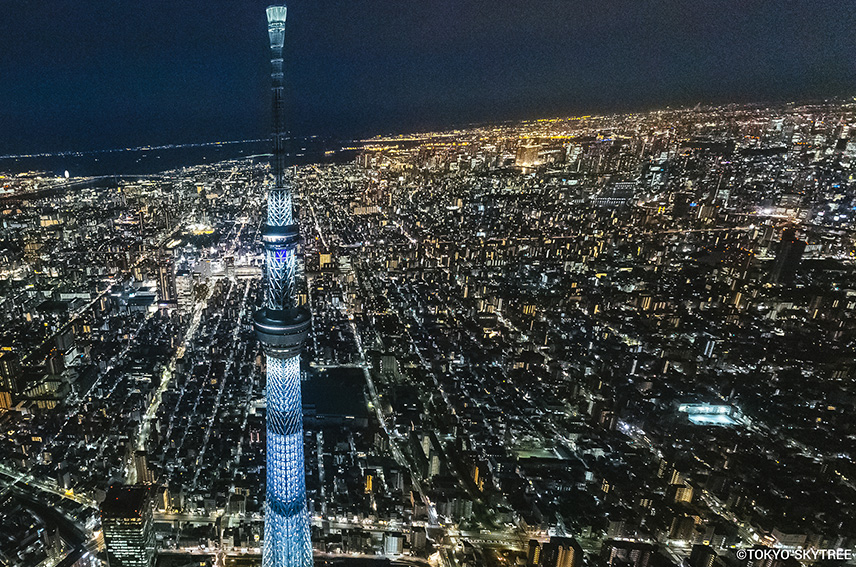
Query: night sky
102,74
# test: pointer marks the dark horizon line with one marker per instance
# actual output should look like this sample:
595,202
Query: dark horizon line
452,126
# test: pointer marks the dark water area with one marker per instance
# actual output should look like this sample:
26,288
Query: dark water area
336,391
141,161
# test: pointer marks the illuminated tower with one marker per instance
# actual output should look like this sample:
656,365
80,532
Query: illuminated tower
282,327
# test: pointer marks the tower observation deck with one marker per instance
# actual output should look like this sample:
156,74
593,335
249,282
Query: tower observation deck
282,327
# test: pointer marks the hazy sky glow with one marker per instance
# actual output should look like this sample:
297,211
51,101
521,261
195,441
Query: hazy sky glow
102,74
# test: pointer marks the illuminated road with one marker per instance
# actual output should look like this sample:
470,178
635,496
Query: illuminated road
226,374
166,377
393,438
30,480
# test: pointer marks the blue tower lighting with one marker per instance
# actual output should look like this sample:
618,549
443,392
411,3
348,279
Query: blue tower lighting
282,326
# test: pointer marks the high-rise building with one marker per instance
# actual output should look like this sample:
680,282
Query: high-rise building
702,556
126,518
10,379
788,257
527,155
167,288
627,553
681,492
282,327
561,552
534,555
393,543
10,372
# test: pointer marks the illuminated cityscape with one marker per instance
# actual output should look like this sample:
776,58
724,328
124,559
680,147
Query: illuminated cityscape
618,339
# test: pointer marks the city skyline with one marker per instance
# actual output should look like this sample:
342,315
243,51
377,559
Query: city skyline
580,341
618,339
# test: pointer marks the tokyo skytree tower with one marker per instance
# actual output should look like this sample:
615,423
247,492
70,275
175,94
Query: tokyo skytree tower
282,328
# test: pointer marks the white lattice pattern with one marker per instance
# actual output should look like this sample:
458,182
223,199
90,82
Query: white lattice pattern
280,266
286,540
279,207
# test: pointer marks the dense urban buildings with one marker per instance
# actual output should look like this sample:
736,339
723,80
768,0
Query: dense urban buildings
588,341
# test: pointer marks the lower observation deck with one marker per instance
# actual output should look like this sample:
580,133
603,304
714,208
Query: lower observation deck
282,332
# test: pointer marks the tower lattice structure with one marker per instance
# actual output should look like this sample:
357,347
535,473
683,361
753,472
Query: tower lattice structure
282,327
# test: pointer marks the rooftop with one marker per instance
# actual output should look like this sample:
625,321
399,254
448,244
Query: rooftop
124,501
